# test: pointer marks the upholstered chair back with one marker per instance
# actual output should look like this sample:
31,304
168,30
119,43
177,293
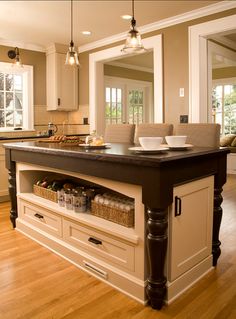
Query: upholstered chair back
119,133
200,134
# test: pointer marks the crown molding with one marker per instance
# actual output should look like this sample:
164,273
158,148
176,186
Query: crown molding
130,66
22,45
188,16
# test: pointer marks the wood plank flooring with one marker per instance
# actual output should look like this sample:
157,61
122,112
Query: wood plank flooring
37,284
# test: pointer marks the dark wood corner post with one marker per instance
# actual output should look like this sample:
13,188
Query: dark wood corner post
217,216
220,180
157,247
11,166
157,197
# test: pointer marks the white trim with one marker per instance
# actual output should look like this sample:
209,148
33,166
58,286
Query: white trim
21,45
96,80
198,82
131,66
188,16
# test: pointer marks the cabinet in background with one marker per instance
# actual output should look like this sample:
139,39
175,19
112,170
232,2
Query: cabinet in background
4,176
62,80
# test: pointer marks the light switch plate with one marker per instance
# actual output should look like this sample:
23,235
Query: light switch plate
181,92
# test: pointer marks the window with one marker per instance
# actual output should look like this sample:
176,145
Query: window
224,105
16,97
113,105
127,101
136,106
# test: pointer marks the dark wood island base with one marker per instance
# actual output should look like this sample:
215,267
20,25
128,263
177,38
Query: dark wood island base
156,174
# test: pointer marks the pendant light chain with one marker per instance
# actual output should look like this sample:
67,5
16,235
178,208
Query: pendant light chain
72,54
71,19
133,21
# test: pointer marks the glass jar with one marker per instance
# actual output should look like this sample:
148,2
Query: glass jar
79,201
69,199
94,139
61,197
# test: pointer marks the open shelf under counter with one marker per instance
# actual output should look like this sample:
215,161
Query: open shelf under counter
87,219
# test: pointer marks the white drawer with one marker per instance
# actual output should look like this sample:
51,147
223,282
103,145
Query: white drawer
40,218
99,244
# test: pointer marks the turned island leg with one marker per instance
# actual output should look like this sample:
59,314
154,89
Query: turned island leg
12,193
156,248
217,216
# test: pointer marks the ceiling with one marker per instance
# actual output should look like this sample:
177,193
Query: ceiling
41,23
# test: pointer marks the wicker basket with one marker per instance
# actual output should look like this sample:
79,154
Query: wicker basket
116,215
45,193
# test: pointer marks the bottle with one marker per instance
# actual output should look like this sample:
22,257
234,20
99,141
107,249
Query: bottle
69,199
61,197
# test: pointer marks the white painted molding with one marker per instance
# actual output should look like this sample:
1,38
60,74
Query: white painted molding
198,84
96,80
188,16
131,66
22,45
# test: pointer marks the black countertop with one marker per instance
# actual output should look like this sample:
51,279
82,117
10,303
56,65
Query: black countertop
116,153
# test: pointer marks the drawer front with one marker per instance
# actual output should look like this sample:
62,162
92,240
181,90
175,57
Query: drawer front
99,244
41,218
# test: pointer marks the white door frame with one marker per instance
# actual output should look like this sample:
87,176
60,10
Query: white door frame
96,80
198,70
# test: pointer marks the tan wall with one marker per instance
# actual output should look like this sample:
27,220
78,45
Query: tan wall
224,73
176,69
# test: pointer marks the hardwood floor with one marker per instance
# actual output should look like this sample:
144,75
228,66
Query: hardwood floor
37,284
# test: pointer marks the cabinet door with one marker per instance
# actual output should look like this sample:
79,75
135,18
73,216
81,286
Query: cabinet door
67,85
190,225
4,176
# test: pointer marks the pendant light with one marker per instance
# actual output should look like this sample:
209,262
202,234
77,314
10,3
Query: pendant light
15,54
72,55
133,42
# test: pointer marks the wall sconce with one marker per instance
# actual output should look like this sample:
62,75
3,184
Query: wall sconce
15,54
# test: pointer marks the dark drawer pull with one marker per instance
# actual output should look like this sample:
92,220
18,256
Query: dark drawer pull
95,241
178,208
38,216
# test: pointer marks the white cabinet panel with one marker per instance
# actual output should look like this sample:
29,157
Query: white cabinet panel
190,233
62,82
98,243
3,175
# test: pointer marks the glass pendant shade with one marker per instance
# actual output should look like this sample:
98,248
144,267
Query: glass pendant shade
18,59
133,42
72,56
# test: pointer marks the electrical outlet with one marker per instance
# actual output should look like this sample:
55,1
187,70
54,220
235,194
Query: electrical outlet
183,118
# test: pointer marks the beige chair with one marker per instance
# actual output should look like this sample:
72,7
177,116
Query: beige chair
200,134
119,133
152,129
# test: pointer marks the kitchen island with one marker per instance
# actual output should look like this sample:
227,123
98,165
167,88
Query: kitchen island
159,184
